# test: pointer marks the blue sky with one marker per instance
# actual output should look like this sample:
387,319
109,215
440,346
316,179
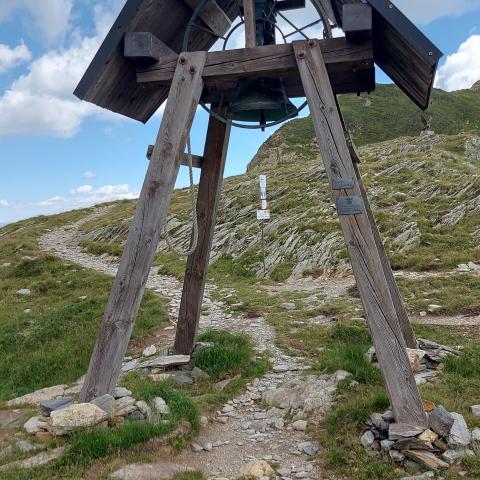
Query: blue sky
58,153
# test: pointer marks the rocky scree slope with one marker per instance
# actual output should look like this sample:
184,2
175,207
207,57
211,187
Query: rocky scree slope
425,192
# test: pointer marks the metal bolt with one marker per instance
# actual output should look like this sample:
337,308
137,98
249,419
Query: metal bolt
301,54
193,68
430,54
311,43
182,60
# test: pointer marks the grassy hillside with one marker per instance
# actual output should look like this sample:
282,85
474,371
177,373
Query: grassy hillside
387,114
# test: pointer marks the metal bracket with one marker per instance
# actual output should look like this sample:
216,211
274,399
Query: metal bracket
342,183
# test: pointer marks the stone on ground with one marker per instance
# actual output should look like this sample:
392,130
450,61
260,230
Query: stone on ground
106,403
300,425
26,446
150,351
48,406
456,455
440,421
398,431
148,471
35,398
459,433
427,459
476,410
257,469
32,425
367,439
124,406
36,461
120,392
144,408
80,415
288,306
161,406
166,361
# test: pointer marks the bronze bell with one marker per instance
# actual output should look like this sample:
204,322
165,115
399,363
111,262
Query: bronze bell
261,101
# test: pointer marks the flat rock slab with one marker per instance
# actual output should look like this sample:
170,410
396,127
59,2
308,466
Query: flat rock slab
49,406
399,431
166,361
40,459
149,471
39,396
426,458
10,419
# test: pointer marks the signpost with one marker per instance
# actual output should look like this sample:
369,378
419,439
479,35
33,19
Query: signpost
263,214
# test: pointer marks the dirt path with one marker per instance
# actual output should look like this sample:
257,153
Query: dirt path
243,431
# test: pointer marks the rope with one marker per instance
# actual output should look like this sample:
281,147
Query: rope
193,197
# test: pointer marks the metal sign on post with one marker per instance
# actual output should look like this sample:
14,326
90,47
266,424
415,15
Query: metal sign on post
263,214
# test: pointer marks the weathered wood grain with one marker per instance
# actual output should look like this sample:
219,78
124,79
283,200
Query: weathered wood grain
366,263
250,23
213,15
267,61
197,160
402,315
129,285
145,47
209,190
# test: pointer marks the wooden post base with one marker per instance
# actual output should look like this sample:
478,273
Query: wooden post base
365,258
209,189
127,292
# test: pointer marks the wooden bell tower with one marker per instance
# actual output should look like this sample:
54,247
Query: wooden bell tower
158,50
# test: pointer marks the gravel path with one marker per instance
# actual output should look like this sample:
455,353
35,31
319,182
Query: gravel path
243,431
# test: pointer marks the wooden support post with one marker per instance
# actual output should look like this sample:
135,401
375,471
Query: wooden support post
402,315
209,189
250,23
366,263
129,286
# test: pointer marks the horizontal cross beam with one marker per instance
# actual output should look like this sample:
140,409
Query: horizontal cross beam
225,68
197,160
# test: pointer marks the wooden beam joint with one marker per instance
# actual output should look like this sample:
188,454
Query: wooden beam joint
357,22
145,47
197,160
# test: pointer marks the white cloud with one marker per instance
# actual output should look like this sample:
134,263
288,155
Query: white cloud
4,203
88,174
461,69
426,11
82,189
41,102
11,57
51,17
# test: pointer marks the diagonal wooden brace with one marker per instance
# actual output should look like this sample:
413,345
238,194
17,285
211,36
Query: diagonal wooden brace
405,325
129,285
366,262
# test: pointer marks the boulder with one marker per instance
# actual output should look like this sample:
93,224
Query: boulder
308,448
257,469
48,406
440,421
77,416
460,435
